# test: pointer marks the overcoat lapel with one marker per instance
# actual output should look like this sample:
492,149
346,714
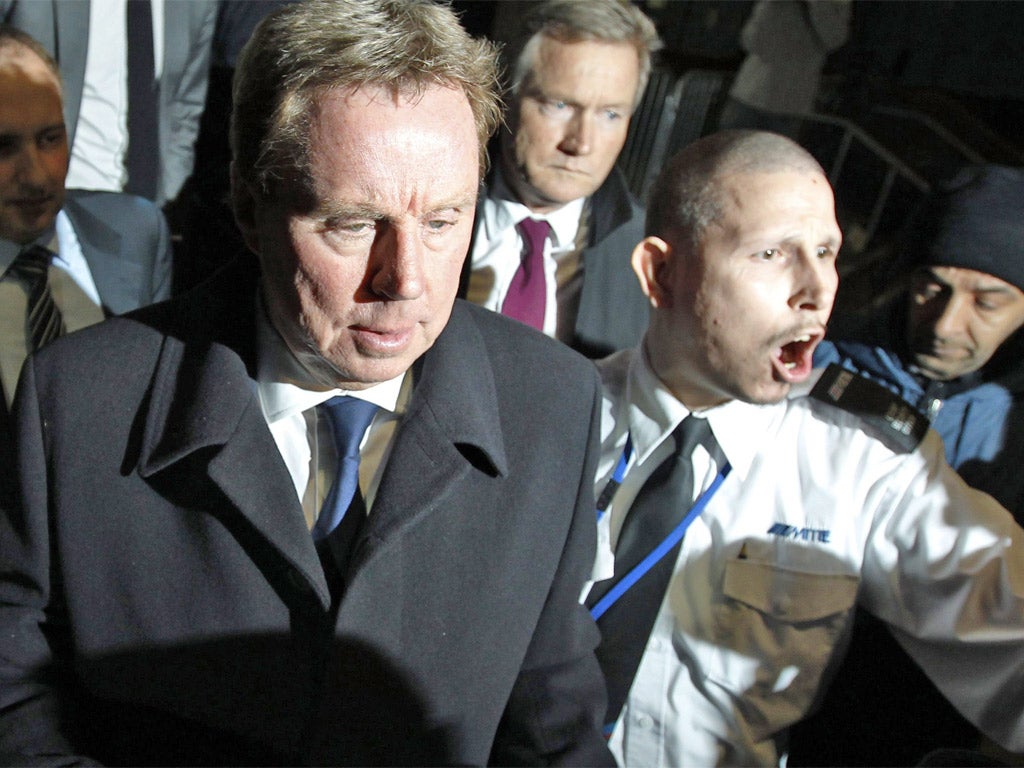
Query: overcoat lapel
451,428
203,398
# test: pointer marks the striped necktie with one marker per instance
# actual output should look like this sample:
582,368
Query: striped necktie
43,320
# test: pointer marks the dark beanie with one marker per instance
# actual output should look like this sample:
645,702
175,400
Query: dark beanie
976,222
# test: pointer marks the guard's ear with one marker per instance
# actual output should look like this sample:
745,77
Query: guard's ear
652,264
243,203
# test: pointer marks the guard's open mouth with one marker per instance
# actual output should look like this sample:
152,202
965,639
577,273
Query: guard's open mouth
795,359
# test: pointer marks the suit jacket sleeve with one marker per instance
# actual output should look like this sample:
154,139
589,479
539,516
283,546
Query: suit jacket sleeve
188,41
557,705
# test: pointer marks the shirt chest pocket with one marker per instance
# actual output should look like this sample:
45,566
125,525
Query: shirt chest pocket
775,629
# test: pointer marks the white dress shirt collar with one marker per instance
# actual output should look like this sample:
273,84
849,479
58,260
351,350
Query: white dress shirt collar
62,241
9,249
654,412
278,370
290,413
502,211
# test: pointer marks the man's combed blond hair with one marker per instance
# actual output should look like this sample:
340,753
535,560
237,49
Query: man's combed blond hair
573,21
305,49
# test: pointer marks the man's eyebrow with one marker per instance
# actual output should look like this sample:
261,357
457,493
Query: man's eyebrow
535,91
993,289
333,210
796,240
989,288
459,202
339,210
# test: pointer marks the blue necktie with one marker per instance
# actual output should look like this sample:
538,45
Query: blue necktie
350,417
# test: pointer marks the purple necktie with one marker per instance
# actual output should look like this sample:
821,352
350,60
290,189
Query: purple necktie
527,293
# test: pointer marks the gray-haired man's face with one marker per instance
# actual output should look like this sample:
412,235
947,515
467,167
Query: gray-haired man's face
361,280
569,121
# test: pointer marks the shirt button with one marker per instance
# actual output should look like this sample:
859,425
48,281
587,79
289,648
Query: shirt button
644,721
657,644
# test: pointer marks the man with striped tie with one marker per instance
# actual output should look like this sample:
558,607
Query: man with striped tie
67,258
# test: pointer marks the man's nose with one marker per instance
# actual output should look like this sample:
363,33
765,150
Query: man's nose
400,273
30,168
579,134
950,318
816,284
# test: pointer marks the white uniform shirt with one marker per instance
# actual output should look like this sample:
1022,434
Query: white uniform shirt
815,515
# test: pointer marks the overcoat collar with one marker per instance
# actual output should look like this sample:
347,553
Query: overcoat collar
203,400
203,415
451,429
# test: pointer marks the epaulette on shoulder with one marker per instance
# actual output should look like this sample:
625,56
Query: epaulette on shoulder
895,421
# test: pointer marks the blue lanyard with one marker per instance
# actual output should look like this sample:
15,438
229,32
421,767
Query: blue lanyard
673,538
605,499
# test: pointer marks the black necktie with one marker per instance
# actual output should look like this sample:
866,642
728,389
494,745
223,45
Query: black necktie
664,499
43,319
343,510
143,102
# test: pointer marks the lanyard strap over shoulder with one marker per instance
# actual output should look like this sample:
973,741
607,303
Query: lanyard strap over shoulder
673,538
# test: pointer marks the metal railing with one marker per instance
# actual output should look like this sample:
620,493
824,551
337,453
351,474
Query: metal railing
678,110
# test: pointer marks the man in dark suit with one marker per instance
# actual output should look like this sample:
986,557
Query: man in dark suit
578,71
173,589
110,253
